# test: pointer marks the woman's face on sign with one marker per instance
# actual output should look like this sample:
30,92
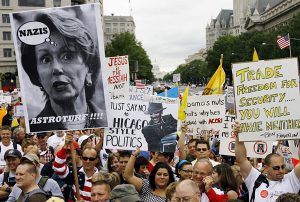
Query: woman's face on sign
61,68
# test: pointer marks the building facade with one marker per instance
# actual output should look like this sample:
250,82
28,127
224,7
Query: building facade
200,55
249,15
117,24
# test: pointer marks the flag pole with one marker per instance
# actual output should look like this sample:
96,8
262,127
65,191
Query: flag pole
221,61
290,45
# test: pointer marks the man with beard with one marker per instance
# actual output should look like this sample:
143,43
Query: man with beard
160,127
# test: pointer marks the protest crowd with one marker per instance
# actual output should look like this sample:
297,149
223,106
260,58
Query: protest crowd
38,167
81,132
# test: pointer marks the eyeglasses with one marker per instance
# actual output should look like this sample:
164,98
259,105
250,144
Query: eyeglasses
278,167
187,171
201,149
185,198
88,158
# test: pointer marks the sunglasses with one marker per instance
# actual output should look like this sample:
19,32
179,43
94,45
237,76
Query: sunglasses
201,149
187,171
278,167
88,158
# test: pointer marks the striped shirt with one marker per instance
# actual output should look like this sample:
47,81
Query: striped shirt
62,170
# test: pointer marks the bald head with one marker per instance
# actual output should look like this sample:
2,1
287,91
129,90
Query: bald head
188,189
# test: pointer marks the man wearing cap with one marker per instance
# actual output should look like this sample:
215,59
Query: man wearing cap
6,144
32,161
158,127
7,179
46,152
125,193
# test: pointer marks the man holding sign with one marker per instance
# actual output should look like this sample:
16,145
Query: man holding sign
270,187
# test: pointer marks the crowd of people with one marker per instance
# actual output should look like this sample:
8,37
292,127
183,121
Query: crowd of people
73,166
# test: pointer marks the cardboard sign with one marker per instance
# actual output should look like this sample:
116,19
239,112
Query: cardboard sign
258,149
60,59
176,77
18,111
150,126
267,99
117,73
138,93
5,99
160,99
204,115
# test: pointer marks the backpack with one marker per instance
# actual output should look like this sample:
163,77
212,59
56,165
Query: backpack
36,191
14,145
261,179
42,183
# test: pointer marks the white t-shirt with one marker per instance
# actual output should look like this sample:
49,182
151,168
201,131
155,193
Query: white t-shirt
4,149
10,175
54,140
289,184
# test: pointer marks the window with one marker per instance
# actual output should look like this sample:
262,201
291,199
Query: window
5,18
6,36
32,3
115,24
122,30
7,52
122,24
56,3
115,30
5,2
107,29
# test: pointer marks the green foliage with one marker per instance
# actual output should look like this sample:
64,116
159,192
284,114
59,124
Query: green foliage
125,43
194,72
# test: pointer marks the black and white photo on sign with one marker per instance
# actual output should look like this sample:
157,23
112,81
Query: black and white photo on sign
60,57
150,126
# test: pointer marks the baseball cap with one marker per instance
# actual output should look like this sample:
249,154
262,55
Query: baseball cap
83,138
12,153
125,193
31,157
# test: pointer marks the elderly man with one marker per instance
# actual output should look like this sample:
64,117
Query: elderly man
187,190
275,183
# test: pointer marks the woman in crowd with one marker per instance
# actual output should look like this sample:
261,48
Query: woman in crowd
225,180
170,192
154,189
184,170
113,162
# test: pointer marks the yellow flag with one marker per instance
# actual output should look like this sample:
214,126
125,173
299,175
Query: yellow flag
183,106
255,57
176,84
216,82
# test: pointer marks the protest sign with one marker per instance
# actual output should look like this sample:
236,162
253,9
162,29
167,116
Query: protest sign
5,99
267,99
176,77
138,93
294,148
117,73
258,149
60,59
150,126
204,115
18,110
160,99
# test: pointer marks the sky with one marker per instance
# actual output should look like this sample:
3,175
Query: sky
169,30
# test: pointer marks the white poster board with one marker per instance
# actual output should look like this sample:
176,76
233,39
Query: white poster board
258,149
176,77
160,99
5,99
117,73
60,58
267,99
18,111
204,115
138,93
133,127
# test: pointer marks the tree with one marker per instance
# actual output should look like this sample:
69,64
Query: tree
125,43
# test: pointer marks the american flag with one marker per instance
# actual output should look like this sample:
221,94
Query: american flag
139,84
283,42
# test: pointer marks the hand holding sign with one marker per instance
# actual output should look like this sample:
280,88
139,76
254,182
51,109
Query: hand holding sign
69,139
136,153
236,128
